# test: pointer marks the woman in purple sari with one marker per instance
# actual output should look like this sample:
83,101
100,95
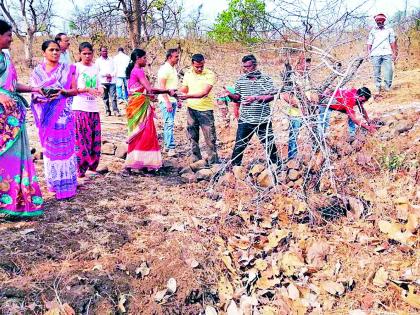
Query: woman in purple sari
54,119
20,195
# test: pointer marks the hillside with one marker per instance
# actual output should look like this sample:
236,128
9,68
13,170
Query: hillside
234,243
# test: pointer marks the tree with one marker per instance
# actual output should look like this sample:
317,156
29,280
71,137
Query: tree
144,20
243,21
28,17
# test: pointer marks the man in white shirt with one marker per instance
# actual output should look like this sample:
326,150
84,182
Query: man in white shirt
383,50
121,61
168,79
64,42
108,79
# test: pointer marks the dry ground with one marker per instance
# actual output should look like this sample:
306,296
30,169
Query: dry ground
83,255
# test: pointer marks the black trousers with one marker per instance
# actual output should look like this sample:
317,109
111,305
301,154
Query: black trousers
243,137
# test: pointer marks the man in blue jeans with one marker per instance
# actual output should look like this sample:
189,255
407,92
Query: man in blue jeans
383,50
346,101
168,79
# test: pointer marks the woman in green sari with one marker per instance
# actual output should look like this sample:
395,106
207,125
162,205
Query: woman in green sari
20,195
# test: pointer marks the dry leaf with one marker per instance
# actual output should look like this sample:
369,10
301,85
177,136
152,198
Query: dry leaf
402,211
388,227
121,301
317,253
143,270
171,286
160,295
381,277
411,298
293,292
233,309
228,263
291,263
413,221
65,309
357,312
27,231
333,288
225,289
269,310
274,238
264,283
246,303
210,310
261,264
242,243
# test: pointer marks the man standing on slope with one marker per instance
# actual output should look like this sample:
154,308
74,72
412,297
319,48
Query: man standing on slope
383,50
168,79
64,42
121,61
197,85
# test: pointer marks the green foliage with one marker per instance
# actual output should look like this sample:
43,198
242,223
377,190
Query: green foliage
391,160
240,22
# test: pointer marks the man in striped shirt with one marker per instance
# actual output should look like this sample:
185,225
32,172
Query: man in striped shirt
254,92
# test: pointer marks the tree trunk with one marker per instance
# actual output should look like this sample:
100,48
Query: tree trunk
29,54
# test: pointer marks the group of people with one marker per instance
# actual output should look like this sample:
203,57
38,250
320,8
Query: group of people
66,113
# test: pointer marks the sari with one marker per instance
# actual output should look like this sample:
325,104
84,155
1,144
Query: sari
20,195
143,145
55,123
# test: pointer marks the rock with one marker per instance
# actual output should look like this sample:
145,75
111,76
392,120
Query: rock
239,172
265,179
121,151
116,165
256,169
204,174
185,170
108,148
198,165
293,174
403,126
188,178
299,183
283,176
215,168
293,164
102,168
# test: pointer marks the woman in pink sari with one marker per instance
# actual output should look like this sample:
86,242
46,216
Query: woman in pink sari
55,122
143,145
20,195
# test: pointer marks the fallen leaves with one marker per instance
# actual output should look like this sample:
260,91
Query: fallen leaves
334,288
163,295
381,278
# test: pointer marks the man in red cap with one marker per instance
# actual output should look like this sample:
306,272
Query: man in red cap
383,50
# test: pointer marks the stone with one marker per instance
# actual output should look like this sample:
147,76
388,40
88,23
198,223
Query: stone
108,148
116,165
283,176
265,179
257,169
403,126
293,164
215,168
188,178
239,172
293,174
102,168
198,165
121,151
204,174
185,170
